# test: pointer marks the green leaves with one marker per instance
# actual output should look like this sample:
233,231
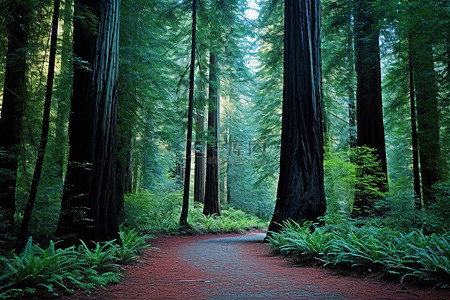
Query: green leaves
152,215
413,255
51,271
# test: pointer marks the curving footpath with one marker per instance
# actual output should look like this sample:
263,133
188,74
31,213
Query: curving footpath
234,266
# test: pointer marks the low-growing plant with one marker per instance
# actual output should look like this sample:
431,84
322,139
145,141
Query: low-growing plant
53,270
132,245
370,248
151,216
38,268
101,257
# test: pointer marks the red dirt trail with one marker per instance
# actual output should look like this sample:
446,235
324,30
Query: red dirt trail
231,266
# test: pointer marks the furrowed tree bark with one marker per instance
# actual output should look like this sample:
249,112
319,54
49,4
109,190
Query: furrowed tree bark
89,209
14,95
185,209
22,236
369,108
212,205
300,195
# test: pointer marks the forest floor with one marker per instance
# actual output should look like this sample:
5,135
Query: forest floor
233,266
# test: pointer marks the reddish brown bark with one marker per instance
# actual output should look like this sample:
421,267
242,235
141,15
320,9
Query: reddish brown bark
89,209
212,204
300,194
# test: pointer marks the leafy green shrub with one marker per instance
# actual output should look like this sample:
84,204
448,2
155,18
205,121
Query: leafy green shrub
38,268
102,258
132,245
436,218
38,271
230,220
148,215
369,248
339,183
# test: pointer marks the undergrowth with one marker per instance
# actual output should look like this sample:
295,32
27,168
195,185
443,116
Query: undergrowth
52,271
149,215
406,256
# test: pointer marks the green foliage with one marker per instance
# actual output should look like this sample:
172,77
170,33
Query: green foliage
230,220
101,257
350,173
437,217
339,175
53,271
369,248
132,246
38,268
150,215
147,215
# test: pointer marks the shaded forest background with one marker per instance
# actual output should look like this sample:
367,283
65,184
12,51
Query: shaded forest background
246,40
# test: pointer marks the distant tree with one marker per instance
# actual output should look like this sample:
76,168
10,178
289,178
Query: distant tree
22,236
89,209
14,95
211,204
422,60
301,193
200,155
64,83
339,73
370,127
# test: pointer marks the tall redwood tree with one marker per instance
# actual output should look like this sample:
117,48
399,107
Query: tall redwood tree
369,107
300,194
187,174
212,204
89,209
14,95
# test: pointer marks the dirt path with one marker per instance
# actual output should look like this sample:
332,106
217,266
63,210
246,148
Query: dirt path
240,267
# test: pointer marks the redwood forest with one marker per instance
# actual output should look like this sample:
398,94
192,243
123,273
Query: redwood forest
315,130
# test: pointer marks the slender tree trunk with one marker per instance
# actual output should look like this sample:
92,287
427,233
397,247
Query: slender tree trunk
14,95
427,115
184,212
300,195
90,208
370,127
415,150
212,205
350,86
63,92
22,236
199,179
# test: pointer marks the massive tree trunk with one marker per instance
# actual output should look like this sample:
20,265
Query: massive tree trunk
89,209
187,175
300,194
14,95
212,205
370,127
427,114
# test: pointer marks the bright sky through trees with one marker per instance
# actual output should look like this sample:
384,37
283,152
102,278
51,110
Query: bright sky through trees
253,11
